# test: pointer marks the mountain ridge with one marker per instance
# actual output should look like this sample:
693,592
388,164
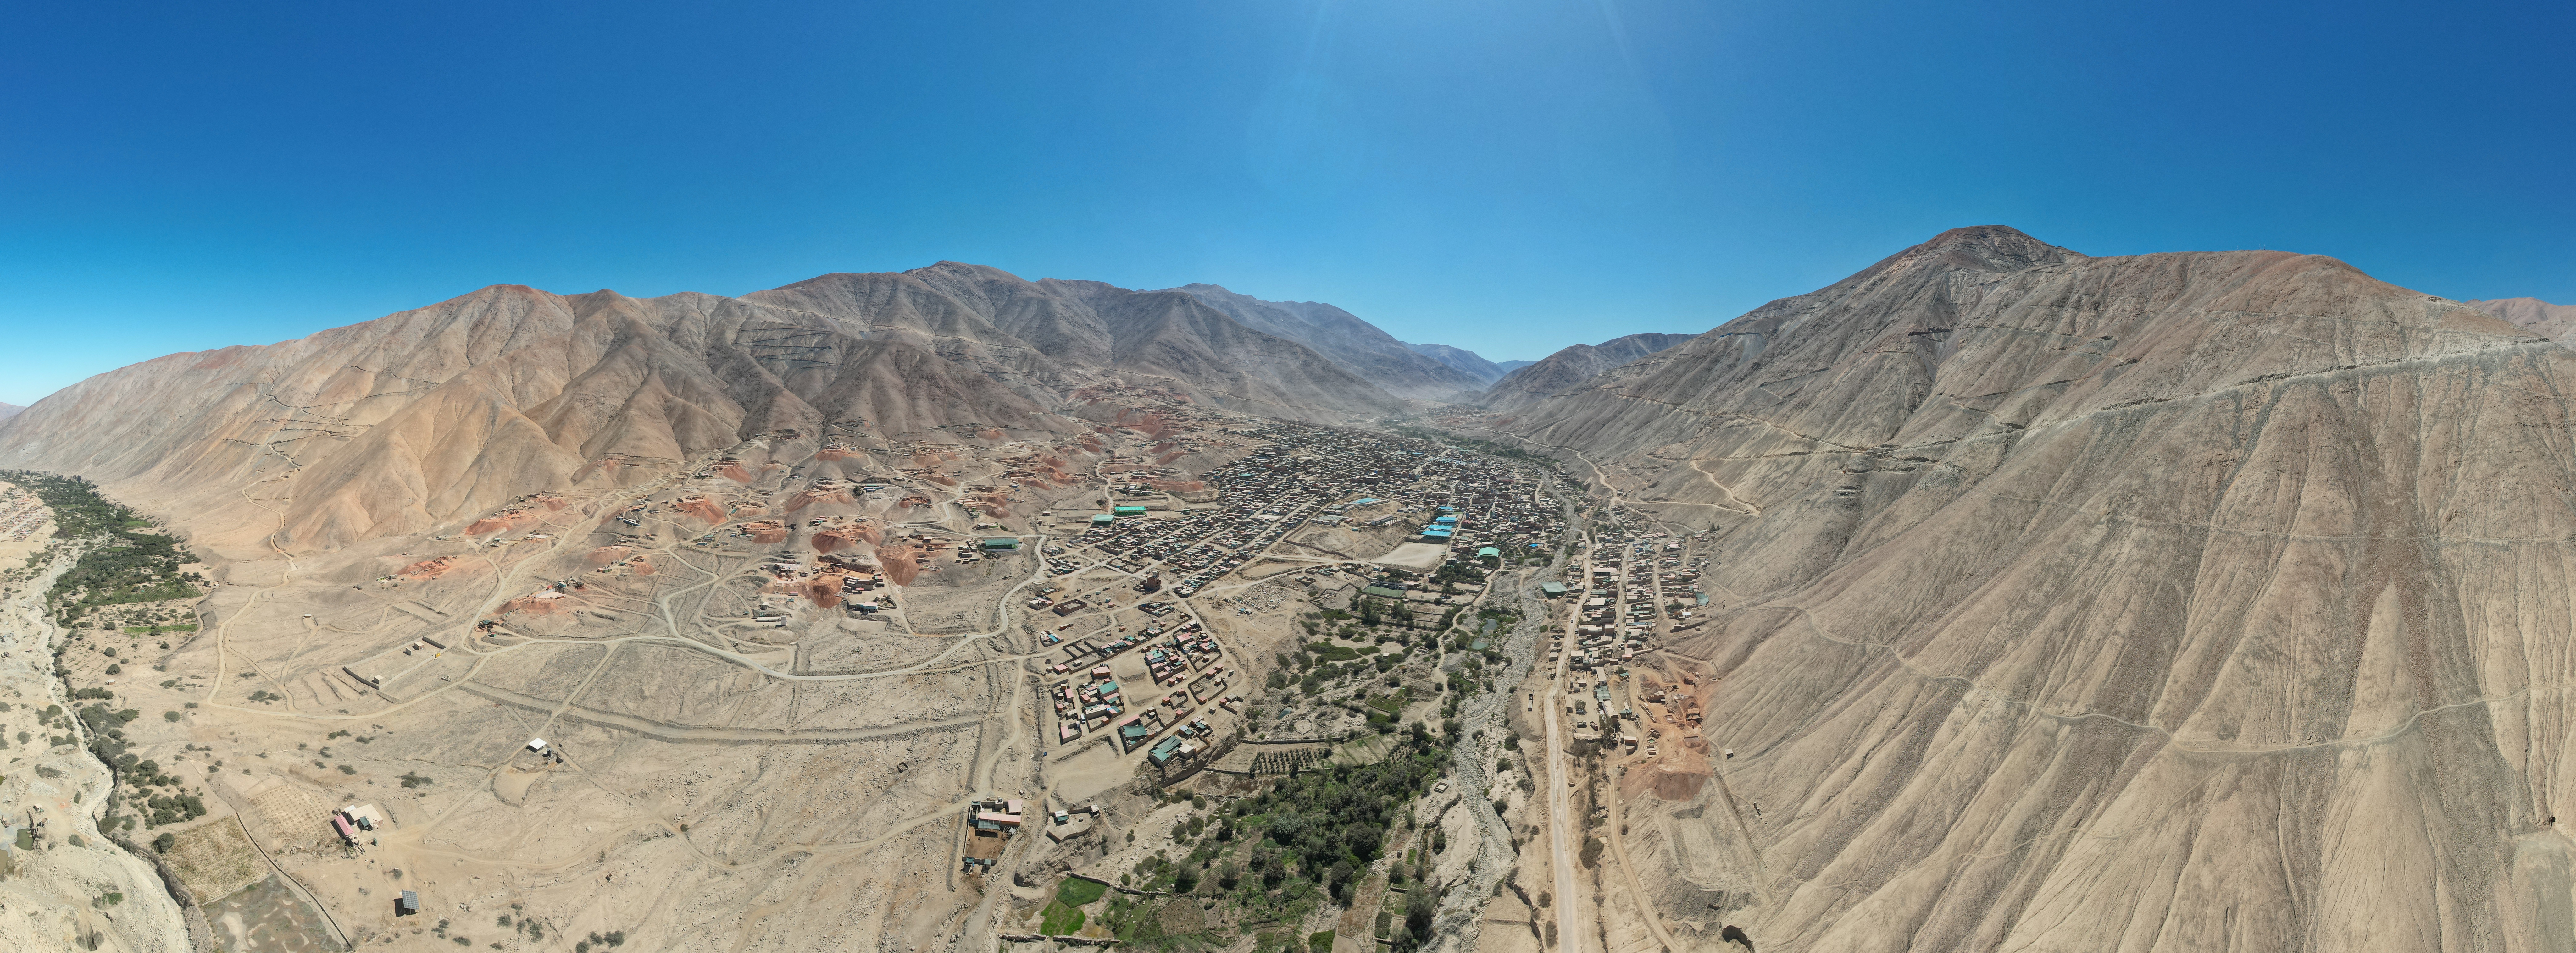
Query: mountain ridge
2023,545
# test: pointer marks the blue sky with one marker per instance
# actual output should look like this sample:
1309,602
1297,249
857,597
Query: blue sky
1505,176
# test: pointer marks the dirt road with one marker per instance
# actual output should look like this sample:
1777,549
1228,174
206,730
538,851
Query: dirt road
1560,804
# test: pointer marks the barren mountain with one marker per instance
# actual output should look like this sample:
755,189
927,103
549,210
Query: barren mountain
1047,337
2202,601
2551,321
8,410
1464,361
1568,369
424,417
401,423
1356,345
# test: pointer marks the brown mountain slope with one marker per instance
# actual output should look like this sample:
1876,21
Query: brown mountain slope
414,420
420,418
8,410
1046,338
1340,336
2552,321
1568,369
2209,601
1467,362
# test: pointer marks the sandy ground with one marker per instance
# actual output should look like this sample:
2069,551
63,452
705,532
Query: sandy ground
53,898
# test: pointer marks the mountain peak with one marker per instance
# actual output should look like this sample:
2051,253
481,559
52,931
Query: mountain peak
1988,248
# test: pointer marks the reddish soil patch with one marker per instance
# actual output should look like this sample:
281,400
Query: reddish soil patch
502,522
734,472
991,433
644,566
837,538
941,480
542,603
832,453
898,562
824,589
1177,486
1167,458
811,497
607,554
552,504
430,568
767,531
702,508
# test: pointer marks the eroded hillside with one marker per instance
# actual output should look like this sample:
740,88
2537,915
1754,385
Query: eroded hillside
2200,601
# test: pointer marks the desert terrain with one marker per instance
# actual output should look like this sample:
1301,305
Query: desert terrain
1996,597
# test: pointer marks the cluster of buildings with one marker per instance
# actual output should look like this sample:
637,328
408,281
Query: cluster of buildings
356,822
993,821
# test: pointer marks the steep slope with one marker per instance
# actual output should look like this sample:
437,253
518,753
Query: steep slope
9,410
2551,321
1464,361
2207,601
1510,366
1176,338
1570,368
429,416
1049,338
1356,345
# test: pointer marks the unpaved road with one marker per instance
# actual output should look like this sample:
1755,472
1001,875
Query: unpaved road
1560,775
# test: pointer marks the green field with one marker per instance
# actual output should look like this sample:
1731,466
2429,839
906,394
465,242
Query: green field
1077,892
1059,920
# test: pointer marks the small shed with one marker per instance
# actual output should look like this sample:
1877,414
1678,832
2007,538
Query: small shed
537,745
408,904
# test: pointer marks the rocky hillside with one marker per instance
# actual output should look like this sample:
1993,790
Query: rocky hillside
8,410
2552,321
1568,369
1466,362
1355,345
2203,601
394,425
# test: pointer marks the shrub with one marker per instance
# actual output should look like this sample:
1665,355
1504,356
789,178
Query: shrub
169,716
163,843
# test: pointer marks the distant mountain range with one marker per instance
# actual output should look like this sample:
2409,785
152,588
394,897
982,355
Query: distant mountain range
2552,321
8,410
1570,368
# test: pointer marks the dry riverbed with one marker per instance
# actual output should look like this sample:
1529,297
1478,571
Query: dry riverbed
62,885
